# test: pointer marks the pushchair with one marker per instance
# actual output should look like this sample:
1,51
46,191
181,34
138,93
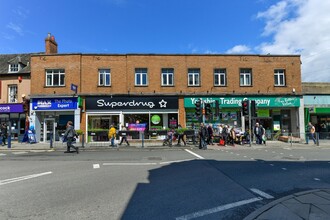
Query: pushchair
245,138
169,139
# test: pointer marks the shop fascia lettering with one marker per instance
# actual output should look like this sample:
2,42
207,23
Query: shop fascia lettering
232,101
102,103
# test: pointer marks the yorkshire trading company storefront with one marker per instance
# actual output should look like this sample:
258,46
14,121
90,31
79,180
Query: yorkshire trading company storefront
274,113
142,114
50,115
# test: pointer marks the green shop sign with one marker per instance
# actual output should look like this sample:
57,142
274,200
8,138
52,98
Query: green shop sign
235,102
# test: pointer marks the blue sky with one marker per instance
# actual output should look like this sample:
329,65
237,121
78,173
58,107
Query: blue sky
173,26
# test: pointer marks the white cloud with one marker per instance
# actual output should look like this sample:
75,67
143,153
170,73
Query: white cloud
15,28
300,27
239,49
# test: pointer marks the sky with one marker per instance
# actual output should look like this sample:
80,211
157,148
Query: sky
290,27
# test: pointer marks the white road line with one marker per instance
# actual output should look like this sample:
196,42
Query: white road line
196,155
128,164
217,209
262,194
271,164
284,168
12,180
20,152
175,161
317,179
96,166
3,154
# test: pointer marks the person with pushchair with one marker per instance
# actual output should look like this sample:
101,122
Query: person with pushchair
169,138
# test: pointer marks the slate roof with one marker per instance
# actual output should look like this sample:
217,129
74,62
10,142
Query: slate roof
23,59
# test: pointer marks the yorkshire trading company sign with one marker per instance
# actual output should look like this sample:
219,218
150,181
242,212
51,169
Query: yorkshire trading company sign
151,102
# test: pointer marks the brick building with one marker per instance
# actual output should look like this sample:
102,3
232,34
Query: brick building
156,91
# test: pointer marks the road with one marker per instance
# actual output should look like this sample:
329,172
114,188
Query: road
226,183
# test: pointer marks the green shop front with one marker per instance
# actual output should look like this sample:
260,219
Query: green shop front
276,114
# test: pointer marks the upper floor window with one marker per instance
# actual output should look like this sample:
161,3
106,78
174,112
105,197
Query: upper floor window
55,77
279,77
104,77
12,93
193,77
141,76
219,77
167,76
245,77
13,68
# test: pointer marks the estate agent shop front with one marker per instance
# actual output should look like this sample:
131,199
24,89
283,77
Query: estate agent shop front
136,113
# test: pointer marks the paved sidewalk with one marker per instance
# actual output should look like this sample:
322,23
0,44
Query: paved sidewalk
314,204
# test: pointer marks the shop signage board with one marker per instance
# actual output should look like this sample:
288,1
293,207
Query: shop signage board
112,103
11,108
229,102
54,103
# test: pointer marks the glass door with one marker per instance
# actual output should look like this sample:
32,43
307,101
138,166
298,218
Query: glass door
49,128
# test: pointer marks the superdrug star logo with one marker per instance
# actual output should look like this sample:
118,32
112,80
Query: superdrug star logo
162,103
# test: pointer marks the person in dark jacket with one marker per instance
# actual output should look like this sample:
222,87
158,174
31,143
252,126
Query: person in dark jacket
258,132
203,135
69,135
4,132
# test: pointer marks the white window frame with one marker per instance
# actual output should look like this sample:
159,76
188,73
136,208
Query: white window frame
220,75
167,76
141,76
245,77
279,75
12,93
104,77
14,67
194,77
52,73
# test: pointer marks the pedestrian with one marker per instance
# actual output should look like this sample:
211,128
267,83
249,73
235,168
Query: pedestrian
4,132
310,132
210,132
69,136
263,137
258,133
232,136
180,136
203,135
124,137
193,127
224,134
112,135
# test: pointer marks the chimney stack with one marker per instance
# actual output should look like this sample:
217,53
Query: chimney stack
51,45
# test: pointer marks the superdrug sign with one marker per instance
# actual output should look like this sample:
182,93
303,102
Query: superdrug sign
150,102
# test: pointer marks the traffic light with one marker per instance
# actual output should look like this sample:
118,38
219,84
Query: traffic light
208,110
198,108
245,107
217,108
253,108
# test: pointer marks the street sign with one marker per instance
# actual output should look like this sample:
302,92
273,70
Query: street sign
74,87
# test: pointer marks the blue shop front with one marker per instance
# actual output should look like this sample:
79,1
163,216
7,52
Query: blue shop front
50,115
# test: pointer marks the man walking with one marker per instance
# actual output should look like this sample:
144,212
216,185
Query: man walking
4,132
258,132
203,135
310,133
69,135
124,136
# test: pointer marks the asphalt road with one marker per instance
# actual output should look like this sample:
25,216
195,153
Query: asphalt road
228,183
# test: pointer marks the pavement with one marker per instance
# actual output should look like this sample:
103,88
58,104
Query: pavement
313,204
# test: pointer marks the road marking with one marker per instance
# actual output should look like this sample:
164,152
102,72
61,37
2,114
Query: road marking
262,194
271,164
317,179
284,168
252,158
245,156
175,161
217,209
3,154
196,155
237,154
12,180
20,152
128,164
96,166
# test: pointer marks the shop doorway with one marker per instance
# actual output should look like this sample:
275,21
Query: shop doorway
49,128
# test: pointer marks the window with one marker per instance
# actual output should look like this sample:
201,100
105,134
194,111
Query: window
104,77
55,77
12,94
245,77
141,76
167,76
13,68
279,77
193,77
219,77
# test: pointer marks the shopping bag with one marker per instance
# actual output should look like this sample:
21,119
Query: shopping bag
222,142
